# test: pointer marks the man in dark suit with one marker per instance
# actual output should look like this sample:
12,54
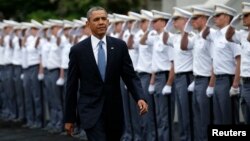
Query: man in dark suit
97,63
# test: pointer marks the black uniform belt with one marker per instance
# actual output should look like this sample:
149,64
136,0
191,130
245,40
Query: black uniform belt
183,73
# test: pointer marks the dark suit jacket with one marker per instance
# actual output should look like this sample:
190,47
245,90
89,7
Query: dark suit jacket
97,97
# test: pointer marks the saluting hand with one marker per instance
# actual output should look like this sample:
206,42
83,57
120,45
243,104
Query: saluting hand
229,34
143,106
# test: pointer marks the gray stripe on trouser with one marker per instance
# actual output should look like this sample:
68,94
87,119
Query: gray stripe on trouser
29,109
222,101
162,111
4,106
201,108
181,93
9,90
56,102
19,90
148,121
127,135
245,101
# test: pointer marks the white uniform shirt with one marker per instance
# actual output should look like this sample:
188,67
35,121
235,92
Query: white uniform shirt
223,52
82,38
95,47
144,63
115,35
2,55
202,60
33,53
45,47
54,57
241,38
162,54
65,54
17,52
183,59
8,52
133,53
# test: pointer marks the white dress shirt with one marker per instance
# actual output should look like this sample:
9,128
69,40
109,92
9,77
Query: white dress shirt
65,54
32,53
17,52
45,47
8,52
183,59
54,57
1,55
202,60
95,47
240,37
223,52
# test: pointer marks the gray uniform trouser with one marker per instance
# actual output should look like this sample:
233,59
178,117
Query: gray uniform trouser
9,91
148,120
18,84
55,100
132,130
245,100
32,92
182,81
46,96
3,106
162,107
226,108
201,108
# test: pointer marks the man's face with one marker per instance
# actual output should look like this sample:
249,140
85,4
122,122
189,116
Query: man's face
197,22
144,24
220,20
246,19
118,27
179,23
98,23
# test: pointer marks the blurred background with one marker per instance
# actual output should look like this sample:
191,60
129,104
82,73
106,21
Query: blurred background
24,10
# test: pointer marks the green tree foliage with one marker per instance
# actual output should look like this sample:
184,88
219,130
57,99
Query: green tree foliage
24,10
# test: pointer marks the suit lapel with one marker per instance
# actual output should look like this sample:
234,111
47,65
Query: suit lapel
109,56
91,58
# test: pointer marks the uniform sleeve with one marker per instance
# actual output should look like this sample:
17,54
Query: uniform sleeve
151,38
191,42
236,48
237,37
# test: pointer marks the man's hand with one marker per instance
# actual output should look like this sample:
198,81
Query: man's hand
69,127
229,34
143,106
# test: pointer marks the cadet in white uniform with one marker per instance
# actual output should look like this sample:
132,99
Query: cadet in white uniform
17,66
202,69
240,37
53,65
10,112
226,66
32,89
183,67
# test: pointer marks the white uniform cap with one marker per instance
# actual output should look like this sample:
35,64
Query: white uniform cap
111,18
84,19
79,23
196,11
18,26
178,12
122,18
1,25
218,9
134,15
9,23
55,22
46,24
245,7
36,24
160,15
25,25
146,14
68,24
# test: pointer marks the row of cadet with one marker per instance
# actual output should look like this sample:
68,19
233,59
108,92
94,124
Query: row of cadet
195,58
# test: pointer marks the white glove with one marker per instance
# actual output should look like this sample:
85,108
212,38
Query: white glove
111,28
166,90
169,25
135,27
236,20
210,21
188,26
59,33
234,91
210,91
151,89
124,26
191,87
150,26
22,76
40,76
60,82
